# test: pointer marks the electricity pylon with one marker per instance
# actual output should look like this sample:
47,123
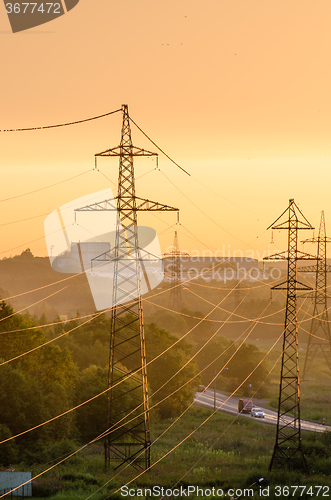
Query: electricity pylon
288,452
128,439
174,268
319,329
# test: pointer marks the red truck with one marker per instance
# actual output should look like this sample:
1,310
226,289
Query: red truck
245,405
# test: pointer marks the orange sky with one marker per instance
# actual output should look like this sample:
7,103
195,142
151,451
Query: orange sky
236,91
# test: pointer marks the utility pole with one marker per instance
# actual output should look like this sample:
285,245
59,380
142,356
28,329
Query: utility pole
288,452
128,439
320,335
174,268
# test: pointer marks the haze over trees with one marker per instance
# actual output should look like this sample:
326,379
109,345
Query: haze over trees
47,370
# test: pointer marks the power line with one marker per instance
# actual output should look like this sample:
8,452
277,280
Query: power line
46,343
47,325
225,199
127,338
204,213
72,277
131,374
288,451
27,307
319,324
60,124
46,187
89,315
244,318
173,376
161,150
237,416
203,421
101,435
212,361
23,220
189,435
148,300
104,433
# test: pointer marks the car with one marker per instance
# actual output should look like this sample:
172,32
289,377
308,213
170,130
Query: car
257,412
245,405
201,388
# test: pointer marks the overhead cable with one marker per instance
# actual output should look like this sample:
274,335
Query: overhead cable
60,124
161,150
104,433
45,187
189,435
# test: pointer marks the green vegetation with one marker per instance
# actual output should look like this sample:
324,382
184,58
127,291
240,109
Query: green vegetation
226,452
49,381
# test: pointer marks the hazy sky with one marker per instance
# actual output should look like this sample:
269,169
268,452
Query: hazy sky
236,91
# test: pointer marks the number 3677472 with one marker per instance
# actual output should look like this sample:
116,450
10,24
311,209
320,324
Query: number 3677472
32,7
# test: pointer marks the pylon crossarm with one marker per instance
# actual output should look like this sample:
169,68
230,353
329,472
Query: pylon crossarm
126,151
305,256
281,286
302,286
153,206
317,240
277,256
101,206
308,269
284,256
305,224
143,206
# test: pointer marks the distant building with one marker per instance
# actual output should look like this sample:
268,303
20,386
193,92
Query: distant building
9,480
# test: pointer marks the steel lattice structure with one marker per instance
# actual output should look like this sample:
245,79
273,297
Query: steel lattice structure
320,329
128,439
288,452
174,267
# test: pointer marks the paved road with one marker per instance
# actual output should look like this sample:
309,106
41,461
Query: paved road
230,405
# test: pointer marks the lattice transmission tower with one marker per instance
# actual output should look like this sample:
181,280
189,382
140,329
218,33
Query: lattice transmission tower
320,337
174,270
288,452
128,439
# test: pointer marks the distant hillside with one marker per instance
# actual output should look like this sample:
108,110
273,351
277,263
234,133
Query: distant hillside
25,272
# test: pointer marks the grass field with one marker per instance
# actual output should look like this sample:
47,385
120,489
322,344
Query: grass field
223,453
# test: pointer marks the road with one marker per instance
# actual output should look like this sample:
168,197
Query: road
229,405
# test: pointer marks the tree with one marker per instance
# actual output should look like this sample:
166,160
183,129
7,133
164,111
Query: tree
22,405
200,331
34,387
17,334
91,417
213,356
245,364
173,323
8,450
161,371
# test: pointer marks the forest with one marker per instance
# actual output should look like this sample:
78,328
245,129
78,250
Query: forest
50,365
